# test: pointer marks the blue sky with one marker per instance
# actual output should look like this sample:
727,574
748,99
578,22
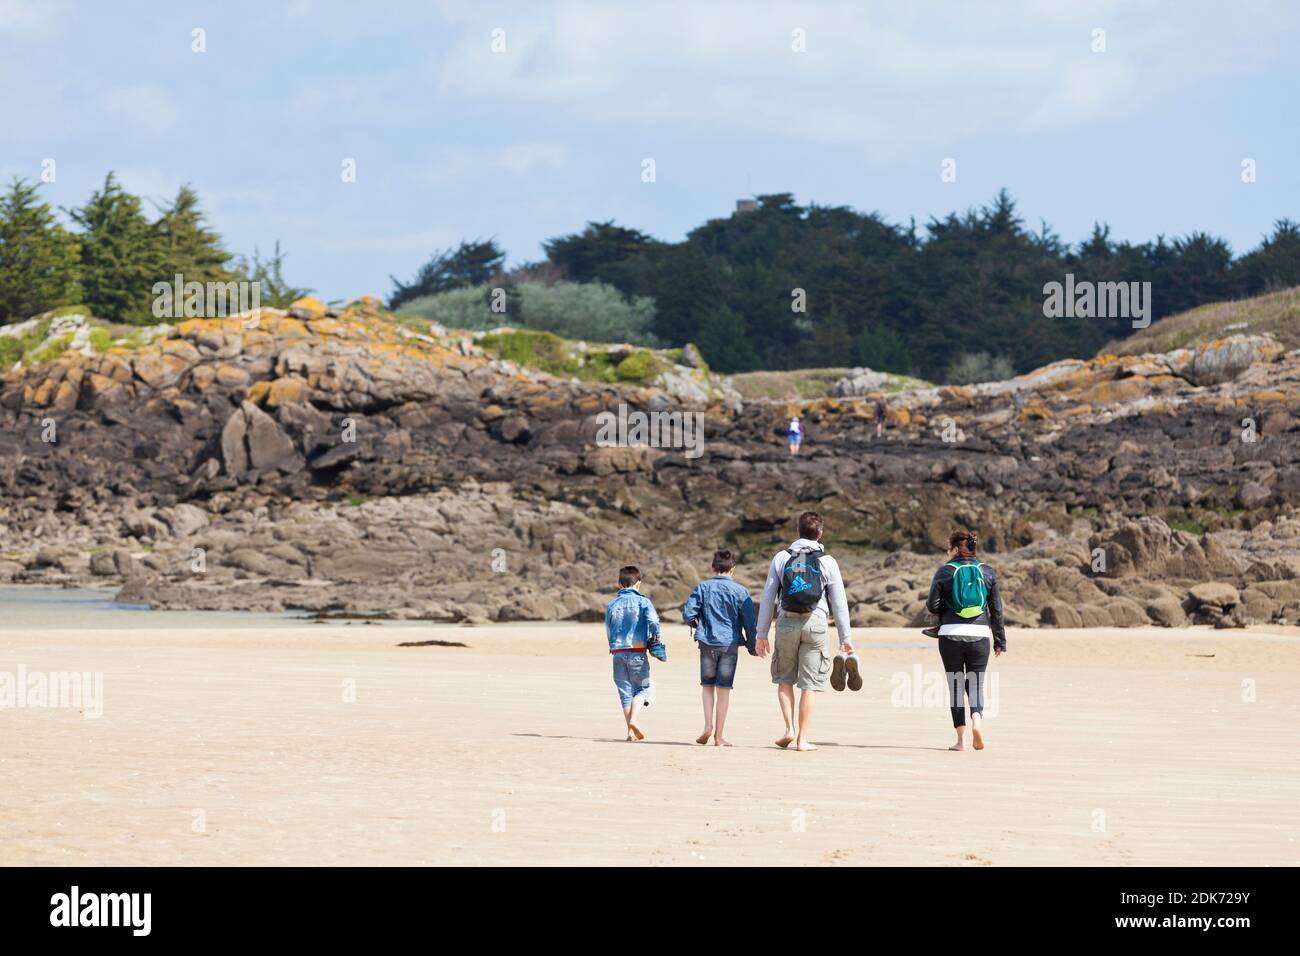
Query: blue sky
453,140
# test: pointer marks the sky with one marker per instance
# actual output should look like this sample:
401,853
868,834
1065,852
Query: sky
524,121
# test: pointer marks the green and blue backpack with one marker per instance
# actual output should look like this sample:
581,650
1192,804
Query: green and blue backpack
969,591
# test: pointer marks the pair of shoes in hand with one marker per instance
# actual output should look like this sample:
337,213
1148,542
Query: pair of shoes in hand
844,670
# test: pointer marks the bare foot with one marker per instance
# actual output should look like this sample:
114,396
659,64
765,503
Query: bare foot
636,731
704,737
805,746
629,738
719,742
785,741
958,746
978,737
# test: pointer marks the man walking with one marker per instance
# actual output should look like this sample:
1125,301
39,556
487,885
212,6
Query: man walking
807,585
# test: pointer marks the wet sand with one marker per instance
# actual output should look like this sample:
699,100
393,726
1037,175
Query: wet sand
240,746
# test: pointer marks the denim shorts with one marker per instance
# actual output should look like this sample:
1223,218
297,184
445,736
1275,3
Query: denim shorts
631,675
718,665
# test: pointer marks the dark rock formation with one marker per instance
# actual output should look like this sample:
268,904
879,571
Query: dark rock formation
340,462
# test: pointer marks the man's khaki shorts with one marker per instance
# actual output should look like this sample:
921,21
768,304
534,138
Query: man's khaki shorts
802,652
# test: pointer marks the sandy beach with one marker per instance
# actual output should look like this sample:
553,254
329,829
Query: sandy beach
329,744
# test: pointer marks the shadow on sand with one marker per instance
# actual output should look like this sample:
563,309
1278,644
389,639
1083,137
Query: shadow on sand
877,746
683,743
613,740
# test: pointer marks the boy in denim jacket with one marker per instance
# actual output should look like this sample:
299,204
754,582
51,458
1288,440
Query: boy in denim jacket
722,613
632,627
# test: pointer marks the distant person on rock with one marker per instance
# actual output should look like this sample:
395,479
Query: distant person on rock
965,595
722,614
632,627
880,417
806,585
794,434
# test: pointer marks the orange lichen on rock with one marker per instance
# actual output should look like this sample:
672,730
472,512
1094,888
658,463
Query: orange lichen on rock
1116,390
287,389
308,307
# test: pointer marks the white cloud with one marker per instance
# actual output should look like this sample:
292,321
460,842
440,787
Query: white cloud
453,140
900,73
30,16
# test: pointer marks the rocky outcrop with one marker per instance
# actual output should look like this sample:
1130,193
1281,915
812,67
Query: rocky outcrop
336,461
860,382
1148,548
1222,360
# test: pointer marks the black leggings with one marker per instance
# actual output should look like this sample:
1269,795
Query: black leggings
961,659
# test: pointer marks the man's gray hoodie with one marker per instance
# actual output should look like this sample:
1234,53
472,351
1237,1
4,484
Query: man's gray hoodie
769,607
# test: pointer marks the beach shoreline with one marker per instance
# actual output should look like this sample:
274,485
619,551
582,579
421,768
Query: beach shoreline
330,744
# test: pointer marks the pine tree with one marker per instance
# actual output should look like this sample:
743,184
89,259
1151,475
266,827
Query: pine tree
880,349
1274,265
596,252
469,264
189,247
273,289
38,257
723,342
122,255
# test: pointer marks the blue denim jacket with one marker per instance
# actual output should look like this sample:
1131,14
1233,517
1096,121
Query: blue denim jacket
630,619
721,611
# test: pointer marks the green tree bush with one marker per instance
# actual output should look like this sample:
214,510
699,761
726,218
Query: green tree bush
122,255
876,348
189,247
273,289
900,298
969,368
39,259
469,264
641,366
592,312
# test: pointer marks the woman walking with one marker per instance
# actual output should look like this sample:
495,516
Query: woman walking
965,594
